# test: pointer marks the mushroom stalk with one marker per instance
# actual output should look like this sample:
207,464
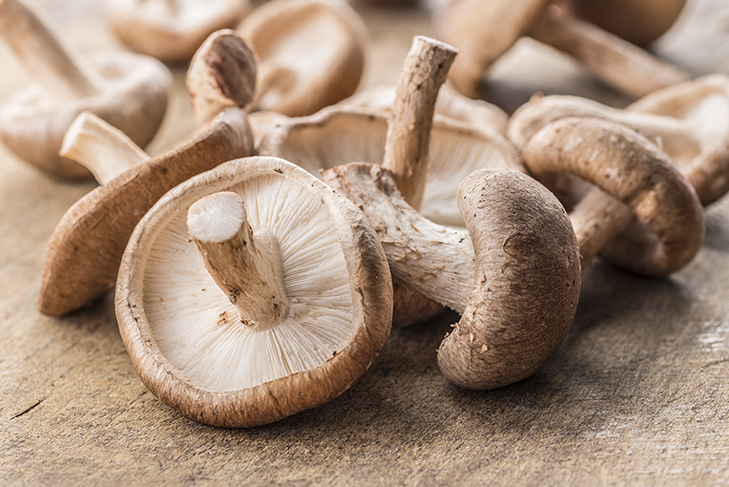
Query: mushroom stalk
244,264
408,133
596,219
623,65
101,148
35,43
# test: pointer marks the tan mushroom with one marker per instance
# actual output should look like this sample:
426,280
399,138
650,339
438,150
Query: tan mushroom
450,104
128,91
640,22
312,53
86,247
633,178
226,353
172,30
518,228
484,30
514,276
689,121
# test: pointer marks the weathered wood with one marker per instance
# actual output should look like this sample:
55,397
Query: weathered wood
637,395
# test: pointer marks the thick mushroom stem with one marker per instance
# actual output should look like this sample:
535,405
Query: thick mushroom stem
620,63
408,133
30,36
101,148
244,264
514,277
596,219
222,74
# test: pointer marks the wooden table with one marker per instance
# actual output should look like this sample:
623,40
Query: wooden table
638,393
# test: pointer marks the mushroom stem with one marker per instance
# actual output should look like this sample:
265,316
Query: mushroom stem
222,74
244,264
596,219
622,64
101,148
29,35
444,271
408,133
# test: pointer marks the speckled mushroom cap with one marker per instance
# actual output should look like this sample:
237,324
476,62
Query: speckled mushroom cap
638,21
171,30
689,121
345,134
133,99
669,228
312,53
181,330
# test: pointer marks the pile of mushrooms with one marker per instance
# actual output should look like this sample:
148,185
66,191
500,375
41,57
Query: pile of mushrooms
128,91
260,264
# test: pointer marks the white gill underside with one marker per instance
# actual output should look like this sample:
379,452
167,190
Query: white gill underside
197,329
453,156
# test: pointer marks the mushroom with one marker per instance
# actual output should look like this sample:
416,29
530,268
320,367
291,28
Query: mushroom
514,276
312,54
86,247
483,31
689,121
640,22
450,104
633,178
172,30
128,91
223,351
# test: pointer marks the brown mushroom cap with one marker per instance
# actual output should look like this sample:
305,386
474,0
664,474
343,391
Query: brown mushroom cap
632,170
171,30
689,121
180,330
134,99
312,53
514,276
638,21
338,134
85,250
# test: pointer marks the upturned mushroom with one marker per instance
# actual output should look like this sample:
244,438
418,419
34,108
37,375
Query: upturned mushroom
514,275
483,31
252,292
689,121
640,22
312,54
85,250
634,179
450,104
128,91
172,30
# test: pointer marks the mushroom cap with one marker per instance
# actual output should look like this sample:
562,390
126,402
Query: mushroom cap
482,31
180,330
638,21
86,247
450,104
134,100
526,286
153,28
629,167
346,134
312,53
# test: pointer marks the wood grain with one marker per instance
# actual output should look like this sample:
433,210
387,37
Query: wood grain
637,395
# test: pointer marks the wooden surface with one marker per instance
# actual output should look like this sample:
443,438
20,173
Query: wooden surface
637,394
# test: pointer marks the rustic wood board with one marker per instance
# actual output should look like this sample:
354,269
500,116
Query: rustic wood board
636,395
